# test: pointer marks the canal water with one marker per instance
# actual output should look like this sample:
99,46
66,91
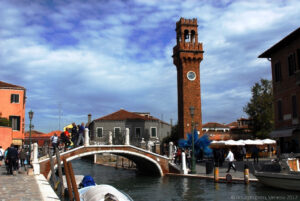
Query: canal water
170,188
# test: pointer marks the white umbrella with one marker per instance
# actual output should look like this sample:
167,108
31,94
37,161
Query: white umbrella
269,141
217,142
234,143
253,142
259,142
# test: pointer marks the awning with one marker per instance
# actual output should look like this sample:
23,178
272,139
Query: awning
17,142
282,133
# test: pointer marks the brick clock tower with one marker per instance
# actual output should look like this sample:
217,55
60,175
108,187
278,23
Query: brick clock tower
187,55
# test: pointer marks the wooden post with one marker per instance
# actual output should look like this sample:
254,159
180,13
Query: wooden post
60,172
117,160
246,174
73,181
69,184
216,174
52,168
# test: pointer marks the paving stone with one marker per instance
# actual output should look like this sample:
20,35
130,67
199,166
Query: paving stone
19,187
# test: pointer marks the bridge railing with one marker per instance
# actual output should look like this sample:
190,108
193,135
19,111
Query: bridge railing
122,138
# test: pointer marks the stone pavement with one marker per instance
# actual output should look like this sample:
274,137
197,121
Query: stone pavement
21,187
201,168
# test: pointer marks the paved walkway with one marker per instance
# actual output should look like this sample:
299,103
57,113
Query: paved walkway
19,187
237,175
201,168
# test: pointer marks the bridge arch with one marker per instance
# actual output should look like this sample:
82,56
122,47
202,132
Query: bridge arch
144,163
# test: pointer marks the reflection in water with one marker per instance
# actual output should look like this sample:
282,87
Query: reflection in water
216,186
185,186
146,188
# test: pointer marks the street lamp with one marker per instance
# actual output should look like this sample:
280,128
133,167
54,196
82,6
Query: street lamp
193,169
30,113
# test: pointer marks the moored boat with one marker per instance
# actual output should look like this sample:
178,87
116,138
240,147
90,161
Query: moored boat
102,192
90,191
283,174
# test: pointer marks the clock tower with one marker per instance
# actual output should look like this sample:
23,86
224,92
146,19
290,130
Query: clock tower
187,55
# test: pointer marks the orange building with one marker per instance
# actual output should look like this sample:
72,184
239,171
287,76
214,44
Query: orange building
12,107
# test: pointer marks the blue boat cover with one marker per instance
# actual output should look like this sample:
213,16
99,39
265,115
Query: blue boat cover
87,181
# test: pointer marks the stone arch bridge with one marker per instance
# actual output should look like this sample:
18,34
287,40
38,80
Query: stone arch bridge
146,161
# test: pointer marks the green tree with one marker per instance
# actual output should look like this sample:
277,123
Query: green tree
260,109
173,137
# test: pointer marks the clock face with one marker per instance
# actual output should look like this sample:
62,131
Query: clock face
191,75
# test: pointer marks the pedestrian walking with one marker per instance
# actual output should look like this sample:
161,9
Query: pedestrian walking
188,157
255,152
1,155
11,159
64,137
217,157
54,142
74,134
230,158
22,157
80,140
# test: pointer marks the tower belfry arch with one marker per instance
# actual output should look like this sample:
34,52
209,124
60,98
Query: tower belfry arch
187,55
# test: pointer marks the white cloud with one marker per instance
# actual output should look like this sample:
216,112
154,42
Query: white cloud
95,59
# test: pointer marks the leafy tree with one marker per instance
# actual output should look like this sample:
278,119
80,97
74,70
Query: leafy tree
173,137
260,109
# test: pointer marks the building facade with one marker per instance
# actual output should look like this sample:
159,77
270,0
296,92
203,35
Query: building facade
187,55
12,107
285,64
141,125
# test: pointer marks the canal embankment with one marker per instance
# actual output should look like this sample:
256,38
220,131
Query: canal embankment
23,186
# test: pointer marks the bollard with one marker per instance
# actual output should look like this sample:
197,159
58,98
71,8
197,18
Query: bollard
216,174
127,137
246,174
86,137
143,144
183,163
170,150
35,161
110,139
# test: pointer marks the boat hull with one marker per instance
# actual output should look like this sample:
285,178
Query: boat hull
279,180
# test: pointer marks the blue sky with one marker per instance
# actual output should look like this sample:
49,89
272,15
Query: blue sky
95,56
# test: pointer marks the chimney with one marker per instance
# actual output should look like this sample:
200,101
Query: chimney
89,118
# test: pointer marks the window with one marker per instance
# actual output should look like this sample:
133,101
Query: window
278,76
153,132
117,131
279,109
292,64
14,98
138,132
294,106
100,132
15,122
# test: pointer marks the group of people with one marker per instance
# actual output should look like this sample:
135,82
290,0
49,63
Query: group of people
14,158
188,156
73,139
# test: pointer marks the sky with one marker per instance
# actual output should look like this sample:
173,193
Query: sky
97,56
